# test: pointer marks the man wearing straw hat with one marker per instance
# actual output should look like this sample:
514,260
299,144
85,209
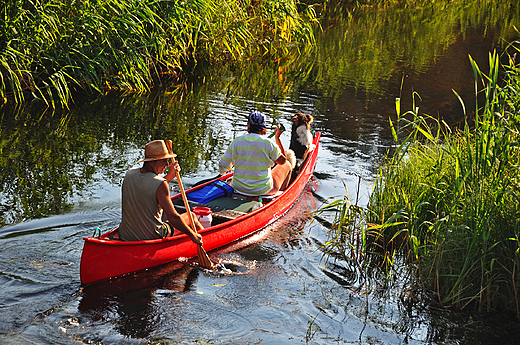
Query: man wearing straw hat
146,195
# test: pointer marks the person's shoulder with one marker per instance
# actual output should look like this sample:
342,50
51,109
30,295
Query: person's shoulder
159,178
154,179
246,136
258,138
133,171
265,142
239,138
254,138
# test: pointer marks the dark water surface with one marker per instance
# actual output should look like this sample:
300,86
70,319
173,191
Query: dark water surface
61,176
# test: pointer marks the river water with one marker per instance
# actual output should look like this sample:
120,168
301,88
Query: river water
61,174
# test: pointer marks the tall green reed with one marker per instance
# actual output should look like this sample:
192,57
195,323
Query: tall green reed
448,201
53,48
457,196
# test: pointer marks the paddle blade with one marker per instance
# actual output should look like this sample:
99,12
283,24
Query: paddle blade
204,260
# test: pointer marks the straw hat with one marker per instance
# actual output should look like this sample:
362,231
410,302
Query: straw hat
156,150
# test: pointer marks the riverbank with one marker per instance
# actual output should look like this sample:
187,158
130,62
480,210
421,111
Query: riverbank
445,206
50,49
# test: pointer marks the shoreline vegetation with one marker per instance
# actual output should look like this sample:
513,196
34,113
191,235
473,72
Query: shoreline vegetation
55,50
51,49
446,203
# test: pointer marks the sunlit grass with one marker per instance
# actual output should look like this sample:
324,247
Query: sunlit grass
450,201
49,49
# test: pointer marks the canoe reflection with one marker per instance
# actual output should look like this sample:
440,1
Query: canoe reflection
129,300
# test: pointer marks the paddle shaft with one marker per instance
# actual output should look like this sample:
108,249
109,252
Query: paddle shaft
181,187
185,199
201,250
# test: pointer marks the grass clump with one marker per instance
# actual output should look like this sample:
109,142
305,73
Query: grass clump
448,201
451,200
51,48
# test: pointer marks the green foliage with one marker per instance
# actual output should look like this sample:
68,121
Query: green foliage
446,202
456,197
52,48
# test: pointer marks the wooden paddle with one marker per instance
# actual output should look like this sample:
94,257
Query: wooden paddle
204,260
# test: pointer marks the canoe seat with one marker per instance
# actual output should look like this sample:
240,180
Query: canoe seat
234,204
265,198
221,208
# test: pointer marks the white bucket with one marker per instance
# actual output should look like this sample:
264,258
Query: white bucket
203,214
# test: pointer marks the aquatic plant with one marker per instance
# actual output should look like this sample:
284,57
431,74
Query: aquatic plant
456,196
448,201
50,49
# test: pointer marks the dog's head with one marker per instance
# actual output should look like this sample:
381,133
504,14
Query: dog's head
299,119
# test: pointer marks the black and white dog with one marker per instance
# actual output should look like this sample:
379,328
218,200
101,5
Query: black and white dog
301,136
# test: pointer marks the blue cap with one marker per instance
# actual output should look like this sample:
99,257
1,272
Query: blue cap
257,121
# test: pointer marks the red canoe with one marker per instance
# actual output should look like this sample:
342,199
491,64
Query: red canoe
106,256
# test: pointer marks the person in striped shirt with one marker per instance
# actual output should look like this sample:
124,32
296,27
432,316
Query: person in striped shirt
261,166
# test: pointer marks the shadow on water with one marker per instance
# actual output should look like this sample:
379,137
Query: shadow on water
131,297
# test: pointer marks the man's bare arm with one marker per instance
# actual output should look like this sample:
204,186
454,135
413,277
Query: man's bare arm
163,198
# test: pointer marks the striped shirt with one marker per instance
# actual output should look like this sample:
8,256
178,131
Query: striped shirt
252,156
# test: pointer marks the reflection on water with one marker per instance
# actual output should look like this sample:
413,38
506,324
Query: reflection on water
129,300
60,176
51,161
